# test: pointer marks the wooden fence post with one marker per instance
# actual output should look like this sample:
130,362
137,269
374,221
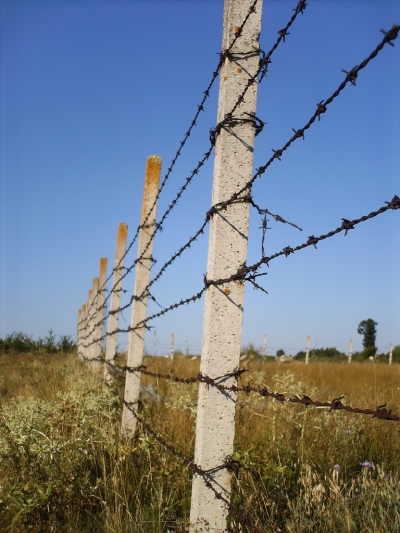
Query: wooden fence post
99,315
139,307
227,253
351,350
391,354
307,350
111,344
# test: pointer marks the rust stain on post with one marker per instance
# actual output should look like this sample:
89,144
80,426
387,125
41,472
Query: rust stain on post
151,183
103,266
122,233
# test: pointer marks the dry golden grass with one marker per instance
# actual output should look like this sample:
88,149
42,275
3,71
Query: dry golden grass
289,480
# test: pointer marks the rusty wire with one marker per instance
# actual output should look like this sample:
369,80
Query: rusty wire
228,120
334,405
238,196
159,225
229,464
249,273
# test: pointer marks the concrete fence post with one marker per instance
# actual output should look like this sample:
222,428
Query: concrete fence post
92,320
172,346
99,315
264,350
227,253
82,330
351,350
79,333
139,307
308,350
391,354
87,346
111,344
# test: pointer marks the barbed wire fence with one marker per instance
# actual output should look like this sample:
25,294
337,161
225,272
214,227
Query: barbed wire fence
92,316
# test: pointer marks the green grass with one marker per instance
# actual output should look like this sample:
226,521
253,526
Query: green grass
64,467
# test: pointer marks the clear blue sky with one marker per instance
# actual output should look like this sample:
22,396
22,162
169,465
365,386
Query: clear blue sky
90,89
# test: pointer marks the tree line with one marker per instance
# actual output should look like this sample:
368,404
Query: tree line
23,343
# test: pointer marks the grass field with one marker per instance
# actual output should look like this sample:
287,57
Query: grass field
64,467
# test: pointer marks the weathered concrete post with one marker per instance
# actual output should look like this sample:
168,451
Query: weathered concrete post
92,320
391,354
79,333
111,344
264,351
99,315
86,342
307,349
351,350
139,307
227,252
82,330
172,345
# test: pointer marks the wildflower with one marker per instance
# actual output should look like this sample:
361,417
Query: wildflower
336,468
348,431
357,496
367,464
85,452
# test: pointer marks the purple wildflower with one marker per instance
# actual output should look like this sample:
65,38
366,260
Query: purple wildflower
367,464
348,431
337,468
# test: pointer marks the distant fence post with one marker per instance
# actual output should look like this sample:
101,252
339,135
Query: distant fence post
227,253
264,350
307,349
79,333
111,344
391,354
351,350
139,306
172,346
99,315
82,330
92,320
86,341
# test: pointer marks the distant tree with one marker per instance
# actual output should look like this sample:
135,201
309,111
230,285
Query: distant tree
367,328
279,353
